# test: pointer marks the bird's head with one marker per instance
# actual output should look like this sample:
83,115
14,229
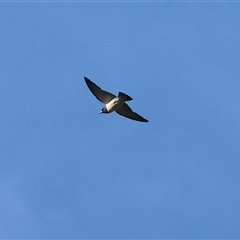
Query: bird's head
104,110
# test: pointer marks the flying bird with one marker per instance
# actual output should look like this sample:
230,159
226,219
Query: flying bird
113,103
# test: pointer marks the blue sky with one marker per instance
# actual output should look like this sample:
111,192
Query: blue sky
68,172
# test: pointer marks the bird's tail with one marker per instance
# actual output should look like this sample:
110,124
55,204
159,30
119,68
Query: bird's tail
124,96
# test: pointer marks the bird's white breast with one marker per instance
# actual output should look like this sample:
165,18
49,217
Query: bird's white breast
114,104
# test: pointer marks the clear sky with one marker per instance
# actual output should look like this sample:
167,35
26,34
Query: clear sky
67,171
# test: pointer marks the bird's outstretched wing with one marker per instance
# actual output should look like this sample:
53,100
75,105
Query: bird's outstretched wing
127,112
100,94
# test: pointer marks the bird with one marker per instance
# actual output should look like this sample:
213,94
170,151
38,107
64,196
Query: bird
114,103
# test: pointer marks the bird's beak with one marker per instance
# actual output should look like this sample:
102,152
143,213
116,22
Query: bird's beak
101,112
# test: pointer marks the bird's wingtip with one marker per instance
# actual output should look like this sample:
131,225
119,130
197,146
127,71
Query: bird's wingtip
86,79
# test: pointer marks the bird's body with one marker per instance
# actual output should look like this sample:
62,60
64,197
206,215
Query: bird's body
113,103
116,102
